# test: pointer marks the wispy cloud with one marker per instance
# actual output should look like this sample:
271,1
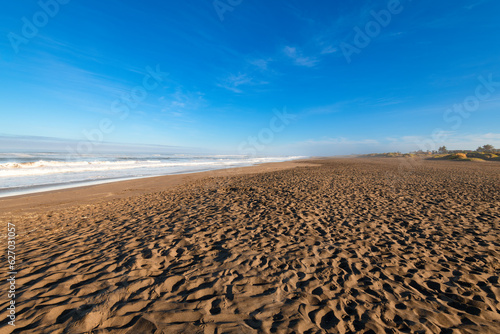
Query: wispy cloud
339,141
67,83
261,63
381,102
335,107
180,103
477,3
322,110
329,49
13,143
298,58
235,82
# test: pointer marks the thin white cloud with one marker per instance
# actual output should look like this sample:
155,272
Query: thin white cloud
329,49
234,82
381,102
469,7
322,110
298,58
181,102
239,79
329,108
261,63
339,141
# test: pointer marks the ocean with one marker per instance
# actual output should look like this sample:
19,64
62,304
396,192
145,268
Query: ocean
24,173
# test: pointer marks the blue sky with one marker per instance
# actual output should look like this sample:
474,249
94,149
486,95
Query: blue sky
357,76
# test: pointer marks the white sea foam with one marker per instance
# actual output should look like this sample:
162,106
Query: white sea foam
27,172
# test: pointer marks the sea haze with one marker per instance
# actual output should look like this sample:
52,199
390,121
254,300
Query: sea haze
23,173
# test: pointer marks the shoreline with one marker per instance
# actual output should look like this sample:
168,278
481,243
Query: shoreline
25,177
20,191
109,190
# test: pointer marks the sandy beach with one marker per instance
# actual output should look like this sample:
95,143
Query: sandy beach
352,245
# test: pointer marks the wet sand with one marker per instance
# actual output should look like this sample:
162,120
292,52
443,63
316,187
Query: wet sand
323,246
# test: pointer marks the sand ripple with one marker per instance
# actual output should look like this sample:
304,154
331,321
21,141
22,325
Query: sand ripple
349,246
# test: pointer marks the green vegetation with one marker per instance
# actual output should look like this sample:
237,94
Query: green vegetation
482,153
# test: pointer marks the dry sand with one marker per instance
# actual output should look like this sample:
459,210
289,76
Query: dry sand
332,246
